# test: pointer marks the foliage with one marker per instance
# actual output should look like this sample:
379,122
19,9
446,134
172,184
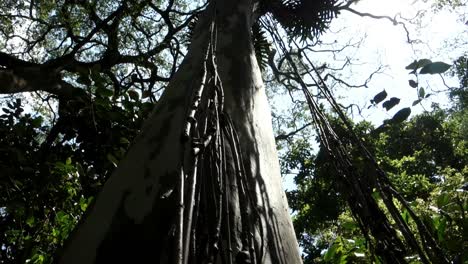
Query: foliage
46,186
99,66
460,94
426,160
304,19
112,59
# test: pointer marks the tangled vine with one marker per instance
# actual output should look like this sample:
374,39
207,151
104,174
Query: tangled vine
211,174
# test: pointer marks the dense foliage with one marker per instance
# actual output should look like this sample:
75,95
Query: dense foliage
47,181
426,160
93,71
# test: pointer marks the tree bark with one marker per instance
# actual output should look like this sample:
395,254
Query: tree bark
134,218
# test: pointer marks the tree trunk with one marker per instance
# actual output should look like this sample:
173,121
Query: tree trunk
136,216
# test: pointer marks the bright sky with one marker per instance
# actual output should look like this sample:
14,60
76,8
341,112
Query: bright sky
386,44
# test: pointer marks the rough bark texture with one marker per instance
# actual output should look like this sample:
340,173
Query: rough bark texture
134,217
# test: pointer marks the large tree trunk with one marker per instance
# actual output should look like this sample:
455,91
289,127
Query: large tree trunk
134,218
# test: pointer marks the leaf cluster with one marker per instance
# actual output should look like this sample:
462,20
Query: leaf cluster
51,171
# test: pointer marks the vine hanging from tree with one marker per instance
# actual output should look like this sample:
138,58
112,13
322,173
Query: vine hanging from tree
213,176
359,187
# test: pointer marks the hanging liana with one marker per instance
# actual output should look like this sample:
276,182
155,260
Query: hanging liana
211,172
357,187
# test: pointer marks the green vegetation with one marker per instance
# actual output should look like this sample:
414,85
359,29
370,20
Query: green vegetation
59,146
426,159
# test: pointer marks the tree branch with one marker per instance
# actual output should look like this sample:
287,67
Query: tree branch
292,133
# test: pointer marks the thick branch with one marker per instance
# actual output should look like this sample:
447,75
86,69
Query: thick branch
34,79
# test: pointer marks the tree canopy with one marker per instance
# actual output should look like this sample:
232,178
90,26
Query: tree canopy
79,78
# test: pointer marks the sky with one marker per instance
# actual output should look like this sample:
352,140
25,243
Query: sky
386,44
441,36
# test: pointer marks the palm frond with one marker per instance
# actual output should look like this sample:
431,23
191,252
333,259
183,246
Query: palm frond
303,18
261,46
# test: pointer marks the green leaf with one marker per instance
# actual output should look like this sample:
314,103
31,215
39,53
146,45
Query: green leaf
442,200
379,97
376,195
389,104
104,92
331,252
413,83
133,95
112,159
84,203
435,68
412,65
68,161
38,259
405,215
401,115
349,225
61,217
416,102
37,122
124,141
30,221
421,92
418,64
441,227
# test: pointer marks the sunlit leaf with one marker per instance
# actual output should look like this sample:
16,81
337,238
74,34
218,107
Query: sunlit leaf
331,252
405,215
30,221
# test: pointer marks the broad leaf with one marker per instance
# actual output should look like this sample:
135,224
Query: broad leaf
435,67
379,97
418,64
421,92
416,102
401,115
413,84
389,104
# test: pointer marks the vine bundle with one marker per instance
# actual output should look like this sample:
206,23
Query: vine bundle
213,177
